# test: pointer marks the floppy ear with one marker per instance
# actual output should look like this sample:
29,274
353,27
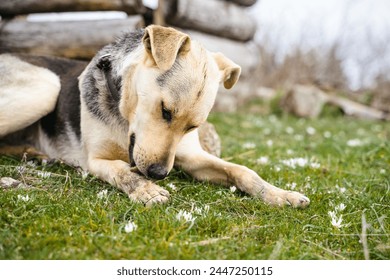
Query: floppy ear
230,71
164,44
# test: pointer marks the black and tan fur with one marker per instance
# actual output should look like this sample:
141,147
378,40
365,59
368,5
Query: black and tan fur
128,116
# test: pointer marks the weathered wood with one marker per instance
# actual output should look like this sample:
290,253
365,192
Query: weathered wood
9,8
245,54
220,18
72,39
245,3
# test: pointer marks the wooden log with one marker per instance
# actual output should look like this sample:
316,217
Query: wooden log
220,18
10,8
72,39
245,54
245,3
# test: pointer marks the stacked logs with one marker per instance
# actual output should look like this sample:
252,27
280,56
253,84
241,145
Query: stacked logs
220,25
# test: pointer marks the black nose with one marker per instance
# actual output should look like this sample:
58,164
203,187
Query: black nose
157,171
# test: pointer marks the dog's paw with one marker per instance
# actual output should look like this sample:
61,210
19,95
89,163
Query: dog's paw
281,198
149,194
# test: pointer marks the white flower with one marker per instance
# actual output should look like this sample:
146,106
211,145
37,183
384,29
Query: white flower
315,165
336,222
249,145
277,168
102,194
84,174
233,189
327,134
299,162
382,171
298,137
290,130
354,143
44,174
340,207
186,216
171,186
24,198
310,130
270,143
289,152
262,160
294,162
130,227
292,185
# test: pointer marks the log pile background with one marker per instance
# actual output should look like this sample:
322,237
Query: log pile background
220,25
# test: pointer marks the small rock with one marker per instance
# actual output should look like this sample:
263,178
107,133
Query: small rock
8,182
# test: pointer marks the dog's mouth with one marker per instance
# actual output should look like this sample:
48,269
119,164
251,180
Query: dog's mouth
131,150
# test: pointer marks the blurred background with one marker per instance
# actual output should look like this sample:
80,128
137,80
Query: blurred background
305,53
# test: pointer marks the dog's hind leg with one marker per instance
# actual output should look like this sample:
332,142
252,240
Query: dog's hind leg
203,166
23,151
27,93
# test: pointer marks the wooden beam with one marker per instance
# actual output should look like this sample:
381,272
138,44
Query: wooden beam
10,8
71,39
215,17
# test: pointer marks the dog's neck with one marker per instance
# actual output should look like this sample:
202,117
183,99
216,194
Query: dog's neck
104,64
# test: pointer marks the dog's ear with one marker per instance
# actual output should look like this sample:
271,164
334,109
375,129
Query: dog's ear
230,71
164,44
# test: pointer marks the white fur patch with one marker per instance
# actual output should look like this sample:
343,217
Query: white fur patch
27,93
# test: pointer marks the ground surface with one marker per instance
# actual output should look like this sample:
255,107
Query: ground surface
341,164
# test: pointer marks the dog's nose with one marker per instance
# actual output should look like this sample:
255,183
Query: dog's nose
157,171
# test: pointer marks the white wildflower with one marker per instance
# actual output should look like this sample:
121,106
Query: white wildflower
327,134
172,186
300,162
262,160
31,164
382,171
24,198
335,221
270,143
290,130
294,162
249,145
84,174
44,174
233,189
277,168
298,137
202,211
310,130
186,216
130,227
267,131
289,152
315,165
102,194
354,143
292,185
340,207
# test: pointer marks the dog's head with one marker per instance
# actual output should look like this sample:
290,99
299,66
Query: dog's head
171,93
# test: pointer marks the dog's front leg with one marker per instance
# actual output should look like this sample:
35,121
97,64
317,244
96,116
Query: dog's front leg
137,187
204,166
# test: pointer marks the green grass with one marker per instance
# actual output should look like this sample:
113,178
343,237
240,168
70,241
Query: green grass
65,219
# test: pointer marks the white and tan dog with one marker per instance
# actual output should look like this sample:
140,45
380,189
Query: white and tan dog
133,114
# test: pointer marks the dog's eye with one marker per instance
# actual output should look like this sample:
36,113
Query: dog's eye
166,114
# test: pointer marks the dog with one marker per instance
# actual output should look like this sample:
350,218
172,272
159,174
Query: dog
128,116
